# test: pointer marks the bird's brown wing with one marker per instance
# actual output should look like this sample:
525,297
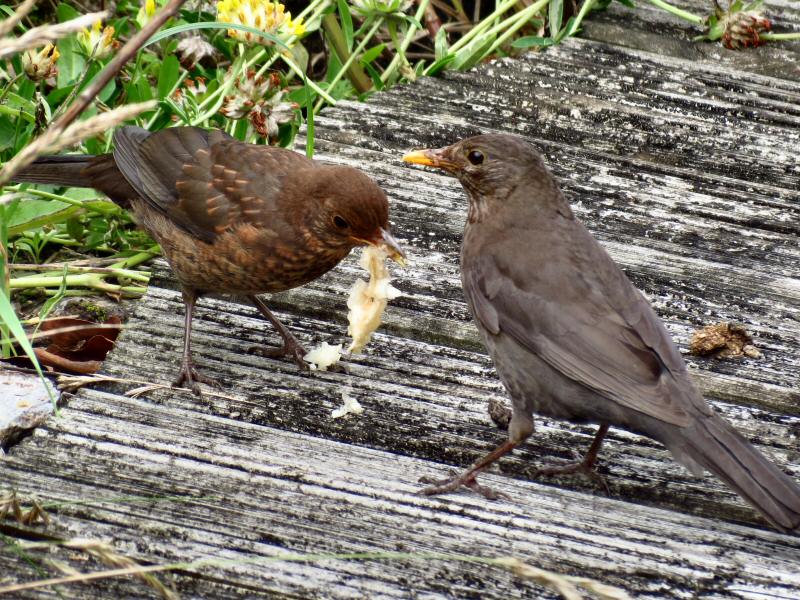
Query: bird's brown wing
591,325
205,181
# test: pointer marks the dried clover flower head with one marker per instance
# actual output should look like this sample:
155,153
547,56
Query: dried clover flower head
194,49
98,40
269,17
42,64
260,99
191,88
742,29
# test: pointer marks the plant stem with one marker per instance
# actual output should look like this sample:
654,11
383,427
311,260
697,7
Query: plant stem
291,64
217,98
360,80
692,18
777,37
350,61
181,77
482,26
519,20
92,280
64,199
399,57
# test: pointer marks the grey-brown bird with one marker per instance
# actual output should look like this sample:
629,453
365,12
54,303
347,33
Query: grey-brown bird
232,218
572,338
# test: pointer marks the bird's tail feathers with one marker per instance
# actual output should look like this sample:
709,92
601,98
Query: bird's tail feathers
717,446
67,170
75,170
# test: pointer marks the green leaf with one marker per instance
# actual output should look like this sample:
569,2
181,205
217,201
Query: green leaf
556,14
107,91
71,62
532,40
7,130
65,12
440,64
440,44
472,53
27,89
15,101
139,89
628,3
92,74
35,213
375,76
58,95
165,33
300,56
168,75
347,23
570,29
74,228
372,54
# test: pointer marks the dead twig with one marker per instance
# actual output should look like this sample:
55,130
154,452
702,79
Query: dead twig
7,25
39,36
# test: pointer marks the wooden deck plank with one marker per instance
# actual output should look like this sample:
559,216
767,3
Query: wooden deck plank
263,490
683,169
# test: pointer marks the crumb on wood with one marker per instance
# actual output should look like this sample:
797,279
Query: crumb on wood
723,340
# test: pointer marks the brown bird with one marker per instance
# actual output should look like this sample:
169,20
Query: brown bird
572,338
232,218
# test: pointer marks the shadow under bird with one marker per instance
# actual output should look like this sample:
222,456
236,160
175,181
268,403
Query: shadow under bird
232,218
572,338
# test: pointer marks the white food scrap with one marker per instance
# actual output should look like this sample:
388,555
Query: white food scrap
323,356
367,301
351,405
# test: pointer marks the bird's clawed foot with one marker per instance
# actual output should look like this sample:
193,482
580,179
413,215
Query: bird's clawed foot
291,348
190,378
451,484
586,466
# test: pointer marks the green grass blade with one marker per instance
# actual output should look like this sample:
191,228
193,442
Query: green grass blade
161,35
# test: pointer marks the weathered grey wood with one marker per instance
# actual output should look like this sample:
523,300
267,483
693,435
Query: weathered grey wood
650,28
275,491
685,170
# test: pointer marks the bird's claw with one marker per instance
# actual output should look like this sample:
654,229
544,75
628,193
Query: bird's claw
291,349
189,378
451,484
580,467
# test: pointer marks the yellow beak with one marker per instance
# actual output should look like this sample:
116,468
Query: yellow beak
430,158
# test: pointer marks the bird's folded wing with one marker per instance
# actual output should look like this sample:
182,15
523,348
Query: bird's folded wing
613,345
204,181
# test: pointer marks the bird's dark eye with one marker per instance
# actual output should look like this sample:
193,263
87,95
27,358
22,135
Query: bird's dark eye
340,222
475,157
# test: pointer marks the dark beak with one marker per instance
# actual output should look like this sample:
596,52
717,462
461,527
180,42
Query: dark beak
388,243
431,158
